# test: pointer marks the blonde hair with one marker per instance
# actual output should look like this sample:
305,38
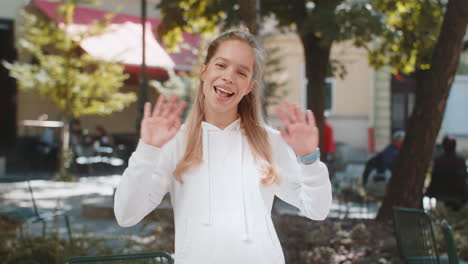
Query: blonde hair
249,111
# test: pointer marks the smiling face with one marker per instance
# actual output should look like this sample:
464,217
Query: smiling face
227,78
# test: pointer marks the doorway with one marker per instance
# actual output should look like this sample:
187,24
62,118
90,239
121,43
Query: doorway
403,98
7,89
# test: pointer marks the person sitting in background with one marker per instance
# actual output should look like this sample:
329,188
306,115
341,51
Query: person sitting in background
380,167
76,136
449,176
48,142
100,137
80,142
48,146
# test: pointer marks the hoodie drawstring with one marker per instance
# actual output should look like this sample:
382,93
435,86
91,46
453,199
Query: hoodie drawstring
247,236
206,156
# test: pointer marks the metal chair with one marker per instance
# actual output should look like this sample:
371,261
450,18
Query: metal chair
450,245
416,240
147,258
415,236
14,212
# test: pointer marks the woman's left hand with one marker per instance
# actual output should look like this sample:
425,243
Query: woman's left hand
299,130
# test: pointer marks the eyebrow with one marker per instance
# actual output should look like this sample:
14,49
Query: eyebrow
240,65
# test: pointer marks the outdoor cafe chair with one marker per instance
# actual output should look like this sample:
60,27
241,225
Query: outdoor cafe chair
13,211
416,240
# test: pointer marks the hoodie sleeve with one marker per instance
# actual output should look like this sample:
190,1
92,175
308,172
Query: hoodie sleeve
307,187
144,183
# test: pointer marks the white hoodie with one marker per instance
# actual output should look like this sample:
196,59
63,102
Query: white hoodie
222,212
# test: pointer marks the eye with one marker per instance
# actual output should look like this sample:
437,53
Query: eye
243,74
219,65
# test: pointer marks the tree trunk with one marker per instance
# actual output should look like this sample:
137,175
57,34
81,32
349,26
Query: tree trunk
65,146
316,64
433,87
63,173
248,13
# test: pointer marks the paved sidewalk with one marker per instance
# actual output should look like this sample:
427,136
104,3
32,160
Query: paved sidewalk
73,197
70,196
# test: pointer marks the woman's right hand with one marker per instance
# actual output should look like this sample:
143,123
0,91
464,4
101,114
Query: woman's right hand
160,126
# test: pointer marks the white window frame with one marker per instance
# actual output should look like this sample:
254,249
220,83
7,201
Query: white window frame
460,129
330,80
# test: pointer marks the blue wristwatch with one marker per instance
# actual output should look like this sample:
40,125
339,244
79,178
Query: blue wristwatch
311,157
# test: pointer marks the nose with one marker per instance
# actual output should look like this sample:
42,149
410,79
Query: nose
227,76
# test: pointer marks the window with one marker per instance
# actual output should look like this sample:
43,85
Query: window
455,120
402,100
329,93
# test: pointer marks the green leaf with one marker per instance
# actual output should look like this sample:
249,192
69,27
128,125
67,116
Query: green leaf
77,83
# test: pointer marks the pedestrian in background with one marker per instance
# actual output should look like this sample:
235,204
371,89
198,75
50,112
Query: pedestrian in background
449,177
379,169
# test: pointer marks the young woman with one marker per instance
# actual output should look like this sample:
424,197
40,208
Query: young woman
224,167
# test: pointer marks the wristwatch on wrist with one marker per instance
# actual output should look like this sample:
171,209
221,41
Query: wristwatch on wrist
311,157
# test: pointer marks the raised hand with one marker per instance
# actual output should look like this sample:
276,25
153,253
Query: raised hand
160,126
299,130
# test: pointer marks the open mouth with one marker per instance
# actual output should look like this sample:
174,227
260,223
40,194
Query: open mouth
223,92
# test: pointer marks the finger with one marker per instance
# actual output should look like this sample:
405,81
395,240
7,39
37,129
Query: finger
283,132
180,108
147,110
177,123
310,118
168,109
282,116
300,116
158,106
290,112
175,126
